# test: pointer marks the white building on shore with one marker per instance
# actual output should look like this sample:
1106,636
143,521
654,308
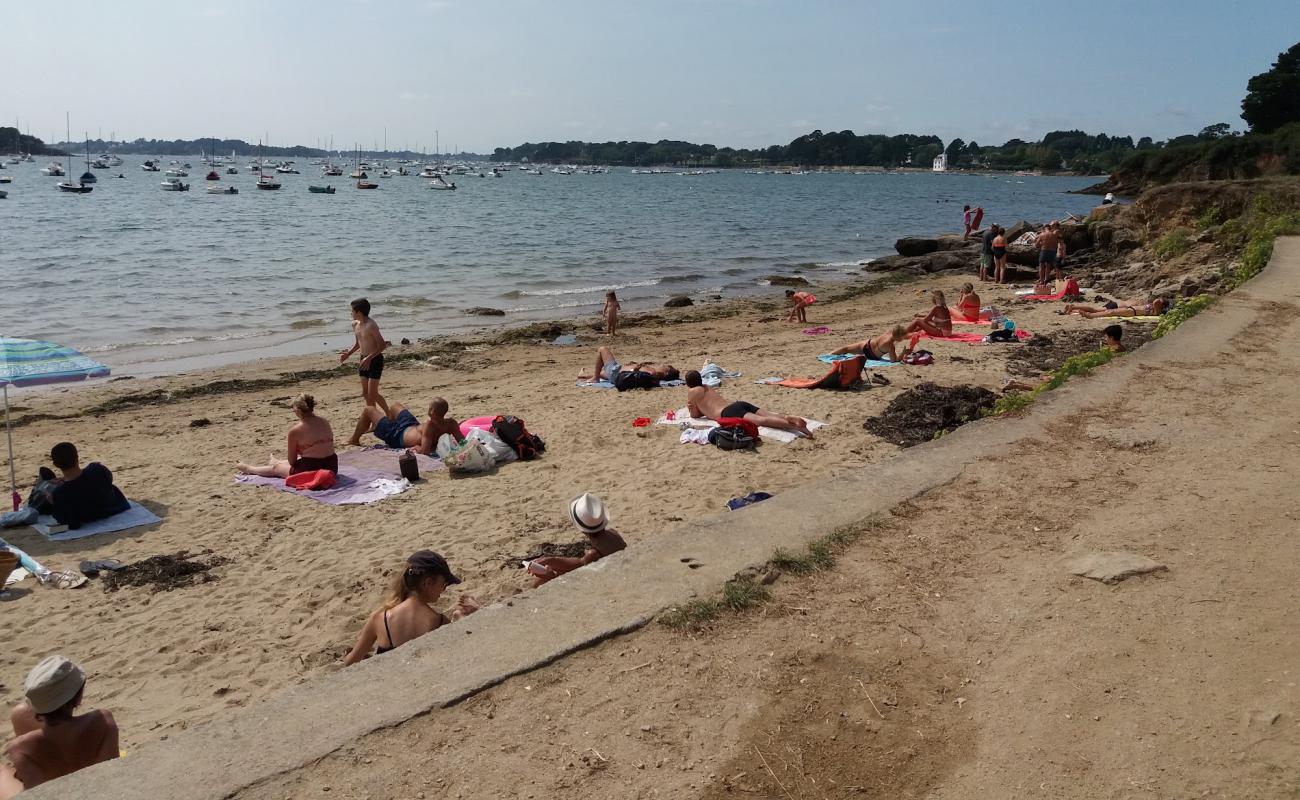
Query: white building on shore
940,163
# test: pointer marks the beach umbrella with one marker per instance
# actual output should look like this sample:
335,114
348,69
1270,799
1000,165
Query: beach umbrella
26,362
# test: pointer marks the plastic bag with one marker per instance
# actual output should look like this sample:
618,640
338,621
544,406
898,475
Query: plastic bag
468,456
499,450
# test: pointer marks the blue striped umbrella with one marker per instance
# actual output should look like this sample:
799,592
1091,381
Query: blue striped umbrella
26,362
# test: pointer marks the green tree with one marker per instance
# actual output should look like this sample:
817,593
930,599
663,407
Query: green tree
1215,131
956,152
1273,98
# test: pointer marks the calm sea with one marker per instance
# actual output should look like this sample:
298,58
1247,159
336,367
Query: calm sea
152,281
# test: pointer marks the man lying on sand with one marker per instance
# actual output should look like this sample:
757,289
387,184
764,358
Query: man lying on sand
702,401
50,741
1122,308
608,369
588,514
399,428
407,612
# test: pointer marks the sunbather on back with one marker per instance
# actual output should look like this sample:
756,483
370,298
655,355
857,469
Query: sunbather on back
607,368
703,401
399,428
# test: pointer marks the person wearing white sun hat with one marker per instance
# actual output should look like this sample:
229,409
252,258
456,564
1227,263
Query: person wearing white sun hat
588,514
50,741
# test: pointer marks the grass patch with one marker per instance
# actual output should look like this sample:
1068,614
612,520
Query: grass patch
1209,218
1185,309
1173,244
1072,367
743,593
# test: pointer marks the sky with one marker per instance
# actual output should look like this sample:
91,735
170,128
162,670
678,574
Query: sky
740,73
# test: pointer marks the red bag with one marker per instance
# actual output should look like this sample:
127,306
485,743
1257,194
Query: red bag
737,422
314,479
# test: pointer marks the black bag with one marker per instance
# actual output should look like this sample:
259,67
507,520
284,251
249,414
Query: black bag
635,379
511,430
732,439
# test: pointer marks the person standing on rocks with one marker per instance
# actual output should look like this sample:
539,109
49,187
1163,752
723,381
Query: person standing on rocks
986,251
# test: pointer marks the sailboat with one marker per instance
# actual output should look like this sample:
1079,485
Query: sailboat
88,176
264,181
213,175
69,186
362,183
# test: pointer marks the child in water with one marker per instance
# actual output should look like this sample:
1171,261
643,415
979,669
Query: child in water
610,312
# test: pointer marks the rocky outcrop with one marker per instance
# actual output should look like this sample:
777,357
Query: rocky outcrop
786,280
680,301
483,311
913,246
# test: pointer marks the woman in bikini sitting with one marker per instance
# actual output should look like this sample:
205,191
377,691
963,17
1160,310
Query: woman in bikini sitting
407,612
880,348
311,445
938,322
968,304
1126,308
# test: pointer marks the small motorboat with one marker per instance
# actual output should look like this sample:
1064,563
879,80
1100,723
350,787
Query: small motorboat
367,185
99,163
385,174
149,166
286,169
321,189
331,171
231,171
174,185
3,194
6,179
114,161
54,170
222,190
176,172
267,182
439,183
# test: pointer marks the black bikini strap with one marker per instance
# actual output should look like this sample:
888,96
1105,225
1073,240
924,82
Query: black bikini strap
387,631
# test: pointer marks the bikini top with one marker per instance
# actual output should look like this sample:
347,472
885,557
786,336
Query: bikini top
390,646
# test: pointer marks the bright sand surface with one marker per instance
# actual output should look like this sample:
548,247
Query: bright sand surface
302,576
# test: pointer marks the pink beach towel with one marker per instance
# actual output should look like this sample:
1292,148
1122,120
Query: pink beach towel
967,337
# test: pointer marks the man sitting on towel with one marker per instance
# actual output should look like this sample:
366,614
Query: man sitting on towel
608,369
85,494
399,428
702,401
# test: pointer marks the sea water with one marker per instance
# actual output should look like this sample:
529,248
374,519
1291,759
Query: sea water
151,281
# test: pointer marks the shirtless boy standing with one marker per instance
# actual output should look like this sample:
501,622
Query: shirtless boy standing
703,401
399,428
372,345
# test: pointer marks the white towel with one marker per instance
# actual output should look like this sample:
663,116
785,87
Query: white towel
133,517
683,418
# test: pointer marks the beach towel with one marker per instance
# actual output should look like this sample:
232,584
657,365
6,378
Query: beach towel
844,374
134,517
967,337
818,331
1030,292
1139,318
682,417
365,476
713,375
869,363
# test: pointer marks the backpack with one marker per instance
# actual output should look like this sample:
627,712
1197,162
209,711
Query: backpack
635,379
511,430
919,358
732,439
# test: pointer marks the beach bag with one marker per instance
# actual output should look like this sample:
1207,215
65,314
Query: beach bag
732,439
467,456
635,379
501,452
511,430
919,358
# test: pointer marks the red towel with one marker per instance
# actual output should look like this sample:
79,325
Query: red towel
1071,288
739,422
315,479
967,337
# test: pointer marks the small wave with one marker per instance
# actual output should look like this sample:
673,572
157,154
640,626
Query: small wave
843,264
413,302
681,278
587,289
734,271
304,324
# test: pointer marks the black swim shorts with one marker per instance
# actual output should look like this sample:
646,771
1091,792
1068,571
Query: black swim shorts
373,369
738,409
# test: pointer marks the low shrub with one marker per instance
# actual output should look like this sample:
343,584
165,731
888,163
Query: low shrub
1173,244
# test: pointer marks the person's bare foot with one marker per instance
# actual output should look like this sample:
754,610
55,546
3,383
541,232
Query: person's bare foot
801,426
243,468
583,377
353,442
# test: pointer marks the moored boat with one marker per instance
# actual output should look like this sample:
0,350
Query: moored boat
321,189
174,185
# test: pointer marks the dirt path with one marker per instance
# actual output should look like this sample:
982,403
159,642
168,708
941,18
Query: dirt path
950,653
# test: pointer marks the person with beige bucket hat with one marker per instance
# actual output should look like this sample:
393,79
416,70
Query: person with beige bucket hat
50,741
588,514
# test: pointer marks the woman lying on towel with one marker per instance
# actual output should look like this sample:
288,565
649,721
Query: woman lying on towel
881,348
407,612
1123,308
938,321
311,445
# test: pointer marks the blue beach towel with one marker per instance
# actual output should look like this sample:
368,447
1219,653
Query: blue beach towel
134,517
870,362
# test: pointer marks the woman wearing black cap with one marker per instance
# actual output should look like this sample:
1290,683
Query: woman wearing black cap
407,612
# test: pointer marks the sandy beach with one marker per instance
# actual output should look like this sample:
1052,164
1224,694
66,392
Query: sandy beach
301,576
